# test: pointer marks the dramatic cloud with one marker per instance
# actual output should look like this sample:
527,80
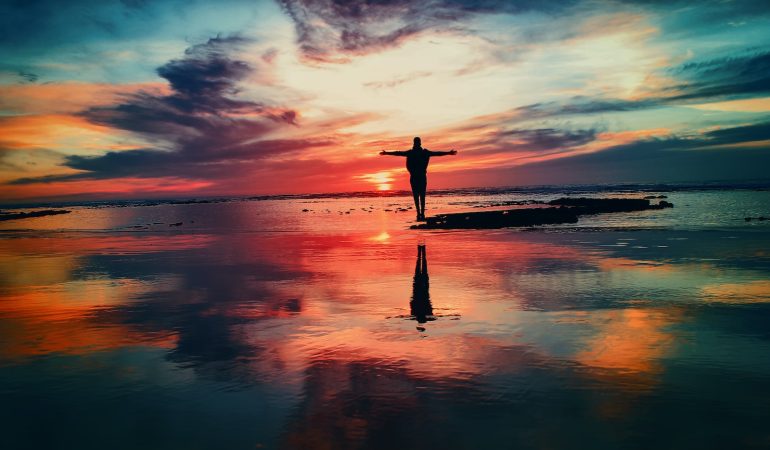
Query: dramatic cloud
156,163
731,76
198,123
707,80
729,154
514,145
332,30
549,139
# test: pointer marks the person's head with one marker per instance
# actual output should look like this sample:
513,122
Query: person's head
417,142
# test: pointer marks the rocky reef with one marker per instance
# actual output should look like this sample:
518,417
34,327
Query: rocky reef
562,210
28,215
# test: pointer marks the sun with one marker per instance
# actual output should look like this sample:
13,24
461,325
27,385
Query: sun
381,180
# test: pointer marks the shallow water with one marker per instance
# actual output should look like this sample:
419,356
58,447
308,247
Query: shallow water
228,333
694,210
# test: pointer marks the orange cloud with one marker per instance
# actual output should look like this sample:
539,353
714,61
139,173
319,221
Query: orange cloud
744,105
119,187
52,131
66,98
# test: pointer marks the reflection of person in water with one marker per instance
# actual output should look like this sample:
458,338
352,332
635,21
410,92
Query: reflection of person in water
417,160
422,310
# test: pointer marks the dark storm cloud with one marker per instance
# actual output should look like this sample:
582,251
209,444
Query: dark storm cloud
742,75
550,138
737,153
157,163
725,137
206,70
330,30
541,140
201,82
747,133
199,127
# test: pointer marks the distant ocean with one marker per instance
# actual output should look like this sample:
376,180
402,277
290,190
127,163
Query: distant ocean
697,206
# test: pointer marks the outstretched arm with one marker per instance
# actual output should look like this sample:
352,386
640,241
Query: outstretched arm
450,152
395,153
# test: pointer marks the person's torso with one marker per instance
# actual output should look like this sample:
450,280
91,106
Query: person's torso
417,161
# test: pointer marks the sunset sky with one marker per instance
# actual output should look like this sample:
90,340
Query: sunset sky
132,99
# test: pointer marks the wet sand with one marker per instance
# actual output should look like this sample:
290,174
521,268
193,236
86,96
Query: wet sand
327,336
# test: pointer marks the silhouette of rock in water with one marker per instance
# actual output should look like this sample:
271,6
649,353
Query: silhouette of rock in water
564,210
27,215
607,205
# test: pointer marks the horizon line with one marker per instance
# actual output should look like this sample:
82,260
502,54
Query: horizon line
714,184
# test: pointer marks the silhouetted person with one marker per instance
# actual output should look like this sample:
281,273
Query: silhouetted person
421,309
417,160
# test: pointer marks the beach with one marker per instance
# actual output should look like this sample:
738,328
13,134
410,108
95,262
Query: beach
326,322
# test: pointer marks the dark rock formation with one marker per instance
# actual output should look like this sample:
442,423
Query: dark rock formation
607,205
563,210
27,215
501,219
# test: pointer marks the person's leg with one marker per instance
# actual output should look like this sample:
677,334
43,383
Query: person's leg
423,188
415,195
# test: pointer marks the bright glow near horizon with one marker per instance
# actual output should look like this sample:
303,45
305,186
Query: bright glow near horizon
263,101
